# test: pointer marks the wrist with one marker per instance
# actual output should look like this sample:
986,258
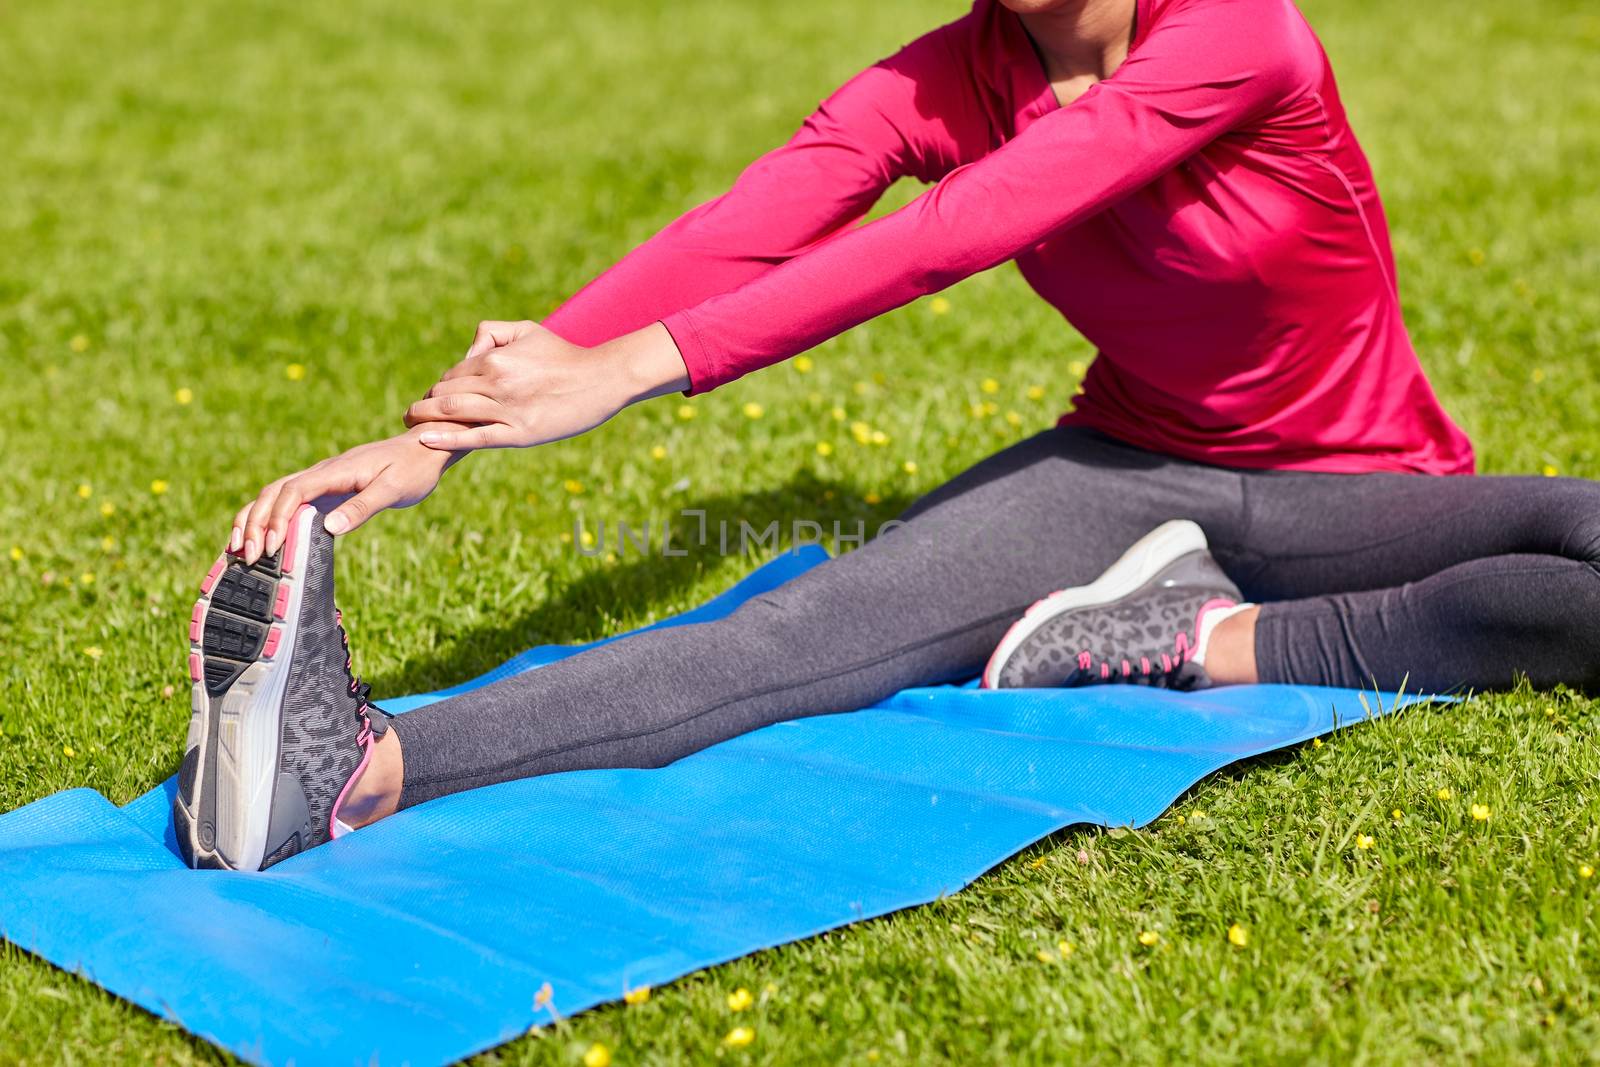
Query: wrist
644,364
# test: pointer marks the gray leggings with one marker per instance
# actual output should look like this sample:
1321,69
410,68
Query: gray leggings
1366,580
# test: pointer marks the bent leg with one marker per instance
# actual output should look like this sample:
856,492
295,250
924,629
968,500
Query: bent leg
1434,583
923,604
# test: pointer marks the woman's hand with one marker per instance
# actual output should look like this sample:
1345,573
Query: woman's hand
522,385
395,473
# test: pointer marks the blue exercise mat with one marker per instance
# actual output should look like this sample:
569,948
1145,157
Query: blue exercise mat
428,936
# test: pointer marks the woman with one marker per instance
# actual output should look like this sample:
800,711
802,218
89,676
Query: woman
1177,177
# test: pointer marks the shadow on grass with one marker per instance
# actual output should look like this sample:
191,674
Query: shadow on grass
645,583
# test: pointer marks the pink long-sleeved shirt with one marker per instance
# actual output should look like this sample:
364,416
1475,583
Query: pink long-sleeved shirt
1204,217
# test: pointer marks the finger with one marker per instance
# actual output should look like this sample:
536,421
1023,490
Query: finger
303,488
472,365
255,523
493,334
358,509
472,383
236,538
495,435
456,407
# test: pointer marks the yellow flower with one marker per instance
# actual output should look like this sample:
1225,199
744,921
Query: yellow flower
566,537
67,751
1363,841
658,452
87,577
1476,257
1182,820
1550,470
873,498
1585,871
587,538
184,395
1316,742
1397,815
573,486
1077,368
107,509
824,448
1149,938
837,413
739,1037
803,364
752,410
295,372
1238,936
1045,956
158,486
79,343
1537,375
85,491
1480,813
990,407
740,999
1035,392
939,306
93,652
861,432
1444,793
879,437
597,1056
637,995
1013,419
16,553
686,411
989,385
1066,948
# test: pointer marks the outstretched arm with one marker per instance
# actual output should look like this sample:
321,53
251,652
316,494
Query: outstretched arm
605,348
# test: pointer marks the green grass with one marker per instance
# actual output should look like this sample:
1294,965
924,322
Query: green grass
197,196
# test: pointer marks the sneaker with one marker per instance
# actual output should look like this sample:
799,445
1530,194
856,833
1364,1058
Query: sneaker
280,727
1143,621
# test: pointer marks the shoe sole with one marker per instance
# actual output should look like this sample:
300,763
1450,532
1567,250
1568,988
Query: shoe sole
1149,555
241,639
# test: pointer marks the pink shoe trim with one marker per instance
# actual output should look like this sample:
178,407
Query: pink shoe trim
270,649
1211,605
211,577
196,618
286,557
365,740
195,671
280,605
1144,664
1105,670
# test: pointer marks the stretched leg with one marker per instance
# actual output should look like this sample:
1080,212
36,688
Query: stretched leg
1437,583
924,604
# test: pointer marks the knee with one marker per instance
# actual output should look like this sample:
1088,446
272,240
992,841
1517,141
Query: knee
1583,538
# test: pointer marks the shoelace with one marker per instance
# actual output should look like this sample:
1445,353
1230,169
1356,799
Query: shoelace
1170,664
360,691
